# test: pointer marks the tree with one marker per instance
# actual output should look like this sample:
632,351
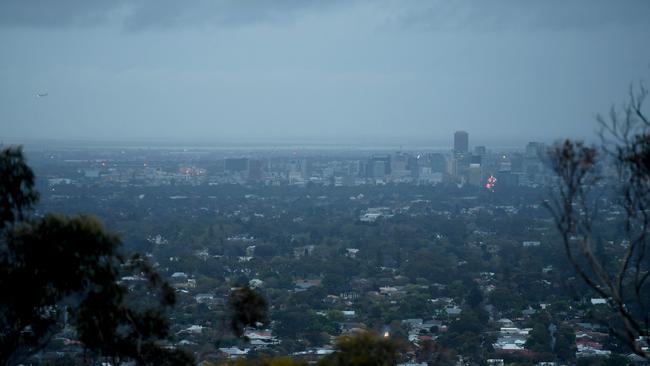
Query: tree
362,349
433,353
247,309
540,339
565,343
474,296
274,361
625,143
57,265
17,192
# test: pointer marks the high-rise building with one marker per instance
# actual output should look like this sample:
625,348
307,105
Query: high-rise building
533,164
235,164
378,169
461,142
399,161
474,174
399,165
480,150
254,170
306,168
438,163
379,166
534,149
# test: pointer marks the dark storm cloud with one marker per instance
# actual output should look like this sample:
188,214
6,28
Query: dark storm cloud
170,13
151,13
45,13
523,14
436,15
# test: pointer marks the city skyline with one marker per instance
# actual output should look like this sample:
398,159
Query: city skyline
324,182
408,144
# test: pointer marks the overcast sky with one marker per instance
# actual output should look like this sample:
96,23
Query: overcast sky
346,71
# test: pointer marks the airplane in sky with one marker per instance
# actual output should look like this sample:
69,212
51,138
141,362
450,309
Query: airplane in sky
41,95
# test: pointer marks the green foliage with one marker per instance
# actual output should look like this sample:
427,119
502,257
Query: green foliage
565,343
307,325
274,361
247,309
539,339
474,296
470,321
434,354
17,194
505,299
56,258
362,349
335,315
57,264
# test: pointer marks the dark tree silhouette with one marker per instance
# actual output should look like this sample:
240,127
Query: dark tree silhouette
625,143
58,265
17,192
363,349
247,308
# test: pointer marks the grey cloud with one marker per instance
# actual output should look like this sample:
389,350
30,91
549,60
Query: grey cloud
145,14
431,14
170,13
524,14
45,13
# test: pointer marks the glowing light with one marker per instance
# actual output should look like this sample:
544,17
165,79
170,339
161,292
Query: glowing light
386,334
491,182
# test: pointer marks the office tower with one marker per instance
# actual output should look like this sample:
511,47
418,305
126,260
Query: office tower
399,161
533,165
379,166
534,149
306,168
254,170
362,168
474,174
438,163
399,165
378,169
460,161
235,164
461,142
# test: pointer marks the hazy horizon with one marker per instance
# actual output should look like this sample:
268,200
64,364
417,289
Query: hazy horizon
261,144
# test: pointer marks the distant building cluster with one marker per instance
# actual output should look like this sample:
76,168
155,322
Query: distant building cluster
461,165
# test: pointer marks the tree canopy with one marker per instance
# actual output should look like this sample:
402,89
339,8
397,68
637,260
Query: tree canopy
58,270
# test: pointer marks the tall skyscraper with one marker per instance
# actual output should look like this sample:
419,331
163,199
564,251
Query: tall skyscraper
534,149
474,174
254,170
306,168
438,163
379,166
461,142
